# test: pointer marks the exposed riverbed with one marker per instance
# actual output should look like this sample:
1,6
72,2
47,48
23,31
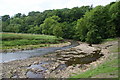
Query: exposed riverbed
58,63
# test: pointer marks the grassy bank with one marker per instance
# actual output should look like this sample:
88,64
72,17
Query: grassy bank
21,41
110,39
109,69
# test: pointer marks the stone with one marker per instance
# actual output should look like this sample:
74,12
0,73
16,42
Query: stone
14,71
37,62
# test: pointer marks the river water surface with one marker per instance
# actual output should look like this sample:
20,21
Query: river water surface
10,56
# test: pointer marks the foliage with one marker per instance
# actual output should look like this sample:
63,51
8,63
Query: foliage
49,24
97,24
57,31
93,37
81,23
110,39
81,29
115,17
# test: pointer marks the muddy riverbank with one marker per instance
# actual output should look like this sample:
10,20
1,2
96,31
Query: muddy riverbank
60,64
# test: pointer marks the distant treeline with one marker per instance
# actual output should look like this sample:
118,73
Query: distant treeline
81,23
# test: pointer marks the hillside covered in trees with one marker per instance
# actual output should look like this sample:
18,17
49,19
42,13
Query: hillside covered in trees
80,23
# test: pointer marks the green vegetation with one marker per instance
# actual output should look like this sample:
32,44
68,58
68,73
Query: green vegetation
116,49
45,22
84,23
107,67
99,24
10,40
110,39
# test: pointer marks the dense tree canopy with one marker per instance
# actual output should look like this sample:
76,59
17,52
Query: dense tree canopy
49,24
100,23
81,23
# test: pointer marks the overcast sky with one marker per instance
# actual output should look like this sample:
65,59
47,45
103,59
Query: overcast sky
12,7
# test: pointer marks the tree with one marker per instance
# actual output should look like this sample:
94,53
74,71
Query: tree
34,29
93,22
5,18
93,37
13,28
18,15
30,29
5,22
80,23
30,20
57,31
115,17
33,13
68,29
49,24
81,29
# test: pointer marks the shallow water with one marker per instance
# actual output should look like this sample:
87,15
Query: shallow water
71,61
31,74
83,60
10,56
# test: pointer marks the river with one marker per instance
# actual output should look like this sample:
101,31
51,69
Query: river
19,55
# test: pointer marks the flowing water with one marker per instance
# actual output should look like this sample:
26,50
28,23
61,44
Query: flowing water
10,56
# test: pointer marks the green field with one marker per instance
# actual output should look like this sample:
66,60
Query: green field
15,40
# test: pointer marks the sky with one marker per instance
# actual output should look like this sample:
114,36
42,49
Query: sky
12,7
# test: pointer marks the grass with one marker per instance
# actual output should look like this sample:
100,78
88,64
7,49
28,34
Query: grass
12,40
104,68
110,39
115,49
108,67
